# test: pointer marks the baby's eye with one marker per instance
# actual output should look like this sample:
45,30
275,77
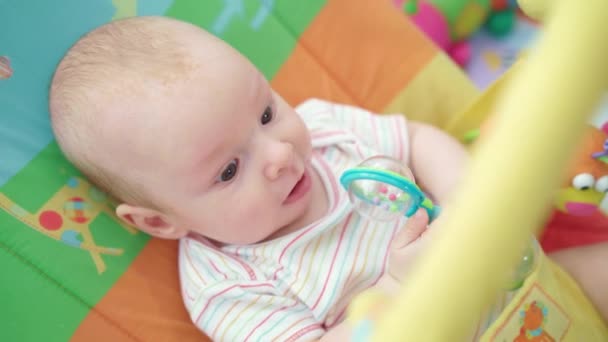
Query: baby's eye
230,171
583,181
267,116
602,184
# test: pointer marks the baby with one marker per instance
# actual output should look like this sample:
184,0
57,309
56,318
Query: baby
188,135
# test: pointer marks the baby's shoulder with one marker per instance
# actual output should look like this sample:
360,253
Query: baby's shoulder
201,258
313,105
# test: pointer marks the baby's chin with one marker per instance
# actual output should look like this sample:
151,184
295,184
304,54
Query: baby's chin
305,214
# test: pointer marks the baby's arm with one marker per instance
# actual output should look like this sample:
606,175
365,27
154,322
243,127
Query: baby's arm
339,333
437,160
587,265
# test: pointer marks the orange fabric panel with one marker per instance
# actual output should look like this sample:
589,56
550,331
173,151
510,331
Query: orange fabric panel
97,327
156,313
369,49
302,77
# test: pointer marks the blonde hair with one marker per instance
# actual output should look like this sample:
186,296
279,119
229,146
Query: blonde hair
113,61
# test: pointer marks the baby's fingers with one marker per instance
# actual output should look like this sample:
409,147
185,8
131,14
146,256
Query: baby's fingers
414,228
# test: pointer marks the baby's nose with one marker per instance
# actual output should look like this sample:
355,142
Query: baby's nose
280,159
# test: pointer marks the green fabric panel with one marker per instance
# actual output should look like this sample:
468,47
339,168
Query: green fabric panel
297,15
249,26
70,266
40,179
32,308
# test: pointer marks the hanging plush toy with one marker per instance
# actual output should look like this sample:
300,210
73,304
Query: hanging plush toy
449,23
503,14
578,218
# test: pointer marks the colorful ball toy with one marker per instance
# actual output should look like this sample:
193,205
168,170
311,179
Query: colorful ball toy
502,17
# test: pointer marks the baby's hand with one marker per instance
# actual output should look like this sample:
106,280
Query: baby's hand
407,245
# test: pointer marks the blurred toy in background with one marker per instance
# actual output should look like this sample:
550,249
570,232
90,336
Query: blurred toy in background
449,23
502,17
578,219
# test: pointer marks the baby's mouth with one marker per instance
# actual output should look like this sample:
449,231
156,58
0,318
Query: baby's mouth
295,187
301,187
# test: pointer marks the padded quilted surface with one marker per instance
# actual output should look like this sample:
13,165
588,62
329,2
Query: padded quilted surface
70,270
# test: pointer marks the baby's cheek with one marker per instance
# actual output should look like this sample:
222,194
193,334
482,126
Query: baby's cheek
255,209
303,138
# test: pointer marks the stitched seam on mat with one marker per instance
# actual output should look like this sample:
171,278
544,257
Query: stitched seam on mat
67,291
310,52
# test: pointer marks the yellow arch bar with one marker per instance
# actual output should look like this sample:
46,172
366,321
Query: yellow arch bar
506,193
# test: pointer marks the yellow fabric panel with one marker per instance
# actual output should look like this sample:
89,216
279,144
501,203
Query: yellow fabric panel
437,92
473,116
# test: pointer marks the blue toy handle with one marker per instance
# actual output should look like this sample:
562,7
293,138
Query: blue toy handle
432,209
396,180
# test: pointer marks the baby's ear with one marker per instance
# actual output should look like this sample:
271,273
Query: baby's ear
149,221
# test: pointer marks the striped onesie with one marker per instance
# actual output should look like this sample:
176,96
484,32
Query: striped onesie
298,286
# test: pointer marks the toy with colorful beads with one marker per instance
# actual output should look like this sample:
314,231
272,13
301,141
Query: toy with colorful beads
382,188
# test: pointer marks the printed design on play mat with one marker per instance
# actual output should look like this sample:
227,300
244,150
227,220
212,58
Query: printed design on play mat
231,10
492,56
124,8
6,71
66,216
131,8
498,61
235,9
537,318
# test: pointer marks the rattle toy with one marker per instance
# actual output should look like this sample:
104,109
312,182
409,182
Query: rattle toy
382,188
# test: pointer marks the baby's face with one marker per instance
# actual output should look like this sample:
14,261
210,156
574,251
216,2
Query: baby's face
224,156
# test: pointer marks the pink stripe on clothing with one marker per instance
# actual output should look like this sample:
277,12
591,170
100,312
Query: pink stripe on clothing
352,269
327,134
374,131
189,260
386,254
336,321
226,290
287,247
283,308
289,327
246,267
399,140
333,261
303,332
217,270
323,110
334,188
185,294
224,317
